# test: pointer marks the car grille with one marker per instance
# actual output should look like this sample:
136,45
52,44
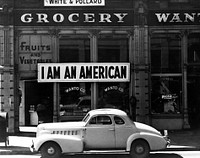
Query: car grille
70,132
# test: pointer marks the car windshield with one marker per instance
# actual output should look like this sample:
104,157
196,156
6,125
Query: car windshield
85,119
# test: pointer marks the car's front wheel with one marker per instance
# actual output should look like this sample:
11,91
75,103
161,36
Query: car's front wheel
139,149
50,150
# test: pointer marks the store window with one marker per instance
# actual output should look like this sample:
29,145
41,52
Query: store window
74,48
166,94
165,53
32,50
166,77
194,48
75,97
193,79
113,48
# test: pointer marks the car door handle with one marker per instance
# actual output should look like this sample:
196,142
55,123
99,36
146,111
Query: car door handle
111,129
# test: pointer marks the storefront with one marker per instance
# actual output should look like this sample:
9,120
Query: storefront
77,59
140,57
174,52
72,75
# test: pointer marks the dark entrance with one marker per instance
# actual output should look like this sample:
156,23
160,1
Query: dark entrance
194,96
34,93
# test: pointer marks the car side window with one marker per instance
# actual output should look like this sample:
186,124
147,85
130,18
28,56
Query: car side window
119,120
101,120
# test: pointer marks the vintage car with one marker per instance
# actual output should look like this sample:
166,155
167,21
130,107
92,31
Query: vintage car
100,129
83,103
78,109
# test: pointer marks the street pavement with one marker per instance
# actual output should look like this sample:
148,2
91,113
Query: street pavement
181,140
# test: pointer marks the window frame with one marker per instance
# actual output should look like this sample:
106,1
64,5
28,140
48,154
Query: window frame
123,122
97,123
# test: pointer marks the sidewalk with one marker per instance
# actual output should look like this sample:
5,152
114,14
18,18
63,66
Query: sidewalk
188,139
20,143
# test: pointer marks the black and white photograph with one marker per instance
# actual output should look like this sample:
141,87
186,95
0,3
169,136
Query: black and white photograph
99,78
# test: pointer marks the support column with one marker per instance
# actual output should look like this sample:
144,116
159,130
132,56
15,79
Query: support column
132,77
141,61
141,73
131,60
7,81
55,58
94,58
184,83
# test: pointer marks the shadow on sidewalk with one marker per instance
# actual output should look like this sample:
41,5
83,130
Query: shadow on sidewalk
165,155
152,155
14,150
188,137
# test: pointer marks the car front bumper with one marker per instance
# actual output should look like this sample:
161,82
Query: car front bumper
167,139
32,148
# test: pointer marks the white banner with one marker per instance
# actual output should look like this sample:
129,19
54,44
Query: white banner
64,3
83,72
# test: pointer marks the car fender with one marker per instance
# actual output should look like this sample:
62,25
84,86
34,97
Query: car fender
68,144
155,141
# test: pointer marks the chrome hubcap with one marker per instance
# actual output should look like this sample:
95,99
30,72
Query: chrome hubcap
51,150
139,149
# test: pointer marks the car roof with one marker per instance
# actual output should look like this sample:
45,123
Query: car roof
85,97
108,111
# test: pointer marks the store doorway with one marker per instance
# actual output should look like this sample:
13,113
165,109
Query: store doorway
194,101
33,93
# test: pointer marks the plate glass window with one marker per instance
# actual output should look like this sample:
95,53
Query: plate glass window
113,48
166,75
75,100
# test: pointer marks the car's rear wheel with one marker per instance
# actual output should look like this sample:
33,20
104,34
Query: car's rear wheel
139,149
50,150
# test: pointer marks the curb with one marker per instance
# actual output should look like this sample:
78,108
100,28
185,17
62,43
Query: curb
15,150
182,148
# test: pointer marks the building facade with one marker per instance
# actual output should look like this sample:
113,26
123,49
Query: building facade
7,63
73,56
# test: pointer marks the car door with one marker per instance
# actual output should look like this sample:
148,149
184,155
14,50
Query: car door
100,133
122,131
